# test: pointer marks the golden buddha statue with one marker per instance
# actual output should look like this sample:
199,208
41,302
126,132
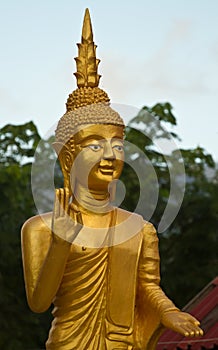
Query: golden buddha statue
98,264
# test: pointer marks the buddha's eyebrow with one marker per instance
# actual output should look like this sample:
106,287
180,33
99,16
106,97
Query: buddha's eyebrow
91,137
99,137
117,138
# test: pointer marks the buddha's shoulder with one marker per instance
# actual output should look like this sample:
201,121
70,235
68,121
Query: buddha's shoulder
125,215
38,223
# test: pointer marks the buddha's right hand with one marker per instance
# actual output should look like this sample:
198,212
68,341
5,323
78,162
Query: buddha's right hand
66,219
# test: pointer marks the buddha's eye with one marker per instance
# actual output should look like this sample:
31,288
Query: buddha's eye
95,147
119,148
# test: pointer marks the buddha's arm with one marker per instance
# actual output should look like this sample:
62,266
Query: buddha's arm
149,272
44,259
152,294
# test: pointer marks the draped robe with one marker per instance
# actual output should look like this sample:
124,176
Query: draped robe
109,298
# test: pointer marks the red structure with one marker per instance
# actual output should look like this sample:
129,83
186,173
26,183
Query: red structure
205,308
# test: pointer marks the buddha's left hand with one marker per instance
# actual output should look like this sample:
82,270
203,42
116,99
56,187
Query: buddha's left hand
182,323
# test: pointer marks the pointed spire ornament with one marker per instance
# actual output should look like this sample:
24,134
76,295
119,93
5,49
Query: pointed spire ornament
86,62
87,71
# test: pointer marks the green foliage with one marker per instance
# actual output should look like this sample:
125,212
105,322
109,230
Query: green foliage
18,143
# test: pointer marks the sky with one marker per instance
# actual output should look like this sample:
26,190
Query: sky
150,51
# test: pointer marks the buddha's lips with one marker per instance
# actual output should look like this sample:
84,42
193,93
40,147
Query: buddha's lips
106,170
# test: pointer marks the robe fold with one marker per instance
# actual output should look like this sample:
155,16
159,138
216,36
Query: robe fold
108,298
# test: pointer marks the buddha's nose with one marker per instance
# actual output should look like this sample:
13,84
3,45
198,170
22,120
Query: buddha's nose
108,151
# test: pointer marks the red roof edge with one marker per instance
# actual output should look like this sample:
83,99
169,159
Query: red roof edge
201,295
204,303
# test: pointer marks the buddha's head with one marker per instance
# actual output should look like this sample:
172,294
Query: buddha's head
90,152
89,136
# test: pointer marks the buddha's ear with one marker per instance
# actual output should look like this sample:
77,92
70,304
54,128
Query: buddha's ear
64,153
58,146
65,156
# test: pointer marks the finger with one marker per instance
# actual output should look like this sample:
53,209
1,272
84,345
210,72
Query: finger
69,210
193,319
61,200
79,218
66,200
74,216
74,207
74,210
71,213
56,204
201,332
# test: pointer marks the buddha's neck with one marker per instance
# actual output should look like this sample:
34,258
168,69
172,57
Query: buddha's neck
92,201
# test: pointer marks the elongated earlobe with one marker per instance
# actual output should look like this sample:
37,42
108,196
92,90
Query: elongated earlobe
66,158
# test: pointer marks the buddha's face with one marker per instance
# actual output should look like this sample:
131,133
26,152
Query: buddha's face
98,156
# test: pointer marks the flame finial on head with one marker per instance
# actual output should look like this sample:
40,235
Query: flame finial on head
87,71
86,62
